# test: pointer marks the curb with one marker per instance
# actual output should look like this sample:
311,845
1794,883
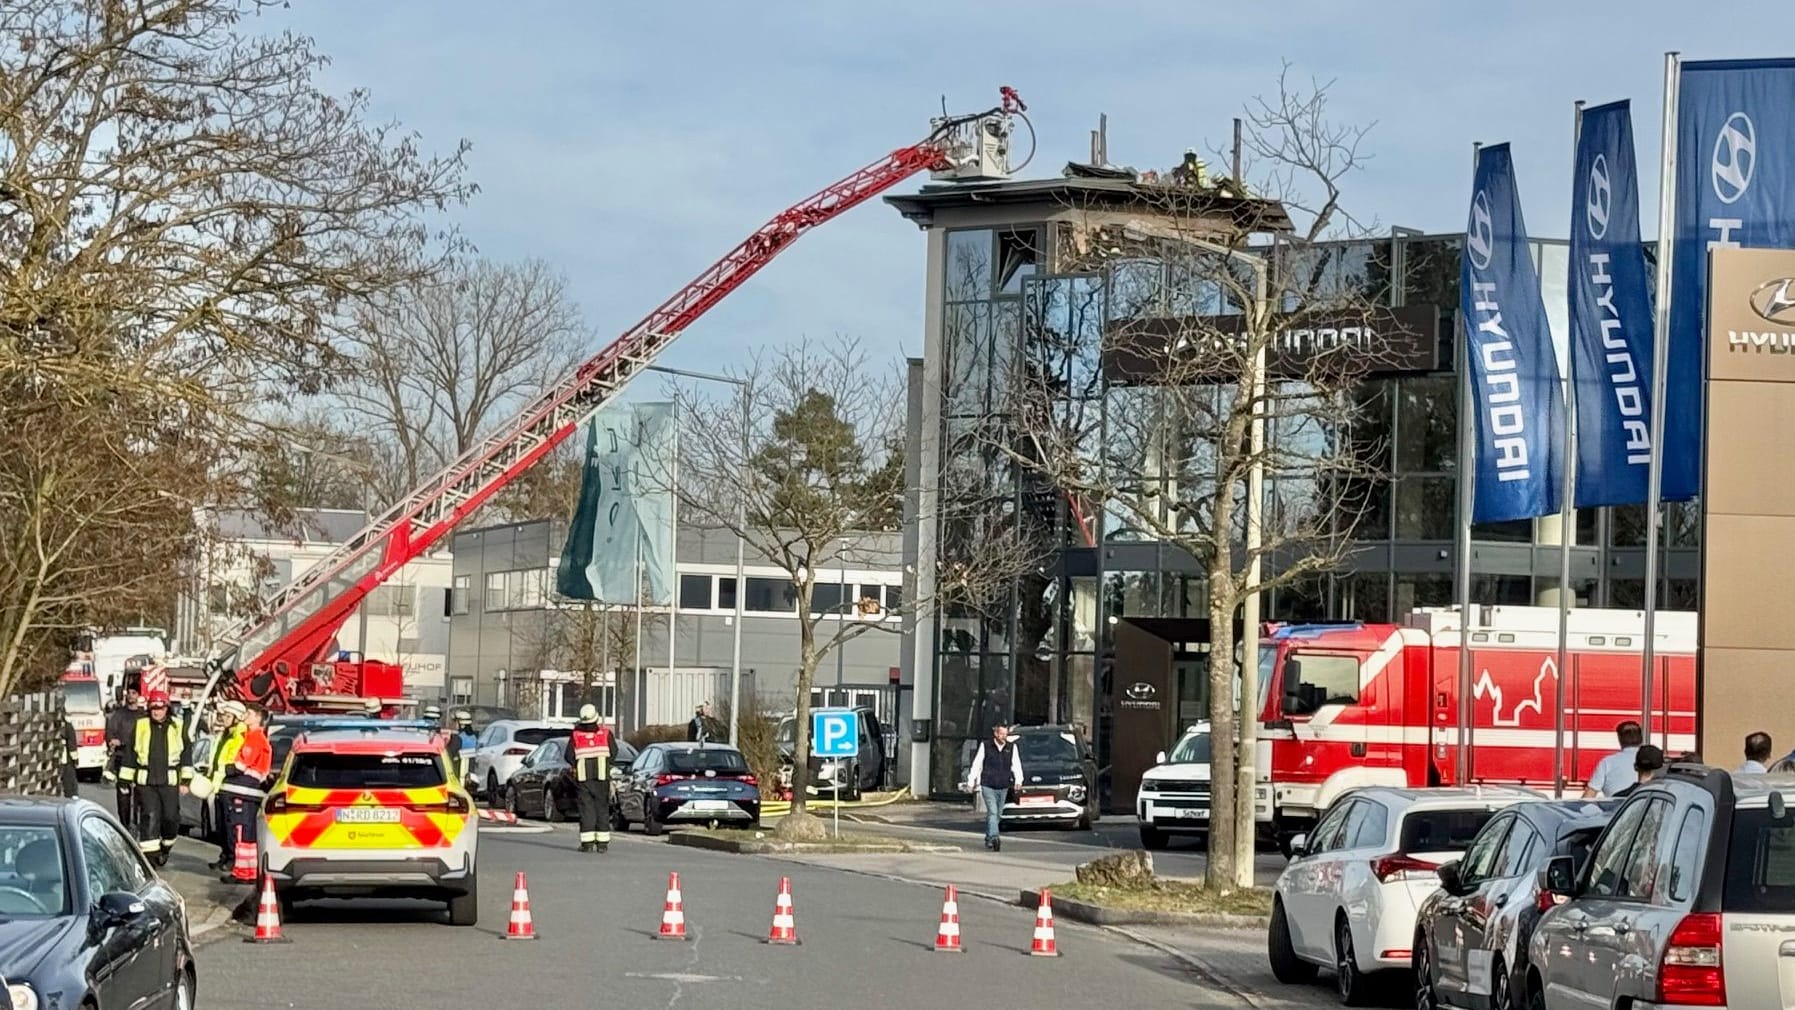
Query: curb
747,847
1104,915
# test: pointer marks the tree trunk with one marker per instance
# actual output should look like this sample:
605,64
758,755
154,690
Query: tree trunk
1222,789
807,659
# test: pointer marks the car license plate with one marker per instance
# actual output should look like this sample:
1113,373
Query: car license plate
1194,815
709,805
367,815
1036,801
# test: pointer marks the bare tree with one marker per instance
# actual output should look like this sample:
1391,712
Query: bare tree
805,485
435,364
185,219
1215,362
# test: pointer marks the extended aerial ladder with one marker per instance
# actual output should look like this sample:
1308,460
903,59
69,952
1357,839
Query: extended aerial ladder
277,658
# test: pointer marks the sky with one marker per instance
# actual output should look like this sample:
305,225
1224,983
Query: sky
630,145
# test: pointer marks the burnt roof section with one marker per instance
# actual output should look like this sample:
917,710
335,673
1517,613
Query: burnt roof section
1249,215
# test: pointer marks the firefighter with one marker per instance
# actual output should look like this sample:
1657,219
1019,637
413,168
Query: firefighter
228,730
158,766
71,752
593,749
119,723
243,787
465,741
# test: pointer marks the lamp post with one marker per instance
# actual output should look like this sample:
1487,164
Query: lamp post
741,583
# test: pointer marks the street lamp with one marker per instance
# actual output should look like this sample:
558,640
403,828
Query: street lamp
741,582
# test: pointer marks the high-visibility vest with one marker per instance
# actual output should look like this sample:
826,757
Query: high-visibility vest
179,771
591,752
251,748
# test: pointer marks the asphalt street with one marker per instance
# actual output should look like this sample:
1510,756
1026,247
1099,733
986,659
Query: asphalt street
866,942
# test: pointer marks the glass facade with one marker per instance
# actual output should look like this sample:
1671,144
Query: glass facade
1017,309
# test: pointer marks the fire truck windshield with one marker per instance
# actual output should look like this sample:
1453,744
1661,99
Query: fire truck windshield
81,697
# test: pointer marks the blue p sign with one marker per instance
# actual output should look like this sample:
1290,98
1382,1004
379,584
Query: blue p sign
835,734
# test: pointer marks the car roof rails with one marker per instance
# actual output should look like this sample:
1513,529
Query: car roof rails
1716,780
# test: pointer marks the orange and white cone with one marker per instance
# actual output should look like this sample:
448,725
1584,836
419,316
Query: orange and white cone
947,935
243,865
1044,945
267,916
521,926
673,915
785,925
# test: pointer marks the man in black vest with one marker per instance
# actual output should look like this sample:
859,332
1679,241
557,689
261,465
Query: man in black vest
996,769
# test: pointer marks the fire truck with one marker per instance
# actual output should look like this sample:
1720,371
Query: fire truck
283,658
1345,705
81,703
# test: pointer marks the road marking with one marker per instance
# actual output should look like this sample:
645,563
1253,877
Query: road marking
520,829
681,977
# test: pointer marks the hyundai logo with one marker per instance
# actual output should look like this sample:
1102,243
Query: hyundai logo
1775,301
1140,690
1735,157
1480,237
1596,200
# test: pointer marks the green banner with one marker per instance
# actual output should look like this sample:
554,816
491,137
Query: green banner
621,536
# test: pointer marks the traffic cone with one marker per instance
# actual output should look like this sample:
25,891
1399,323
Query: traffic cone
521,926
785,926
1044,945
267,916
673,915
243,868
947,935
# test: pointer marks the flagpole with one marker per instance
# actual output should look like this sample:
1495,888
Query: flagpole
637,709
1567,520
1467,451
1654,492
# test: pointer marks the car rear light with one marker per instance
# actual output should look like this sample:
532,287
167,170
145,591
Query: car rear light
1690,973
747,780
1546,900
276,804
667,780
1395,954
1401,867
517,752
458,804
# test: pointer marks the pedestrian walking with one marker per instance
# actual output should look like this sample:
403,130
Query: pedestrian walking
697,730
244,786
593,750
1757,754
996,769
158,766
1615,772
119,724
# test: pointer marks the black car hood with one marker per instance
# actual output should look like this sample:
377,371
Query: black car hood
24,943
1050,772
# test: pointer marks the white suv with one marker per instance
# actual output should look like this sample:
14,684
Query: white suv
1348,899
1687,899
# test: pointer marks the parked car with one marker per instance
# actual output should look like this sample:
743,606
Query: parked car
1687,899
84,920
1059,779
543,785
1471,935
1174,793
865,772
500,750
689,783
1348,898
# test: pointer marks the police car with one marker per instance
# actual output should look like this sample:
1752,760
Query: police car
371,813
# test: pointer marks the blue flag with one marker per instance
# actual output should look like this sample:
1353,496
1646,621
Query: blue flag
1735,173
1611,314
1519,404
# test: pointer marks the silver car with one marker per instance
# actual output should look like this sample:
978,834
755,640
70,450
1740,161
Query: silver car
1687,899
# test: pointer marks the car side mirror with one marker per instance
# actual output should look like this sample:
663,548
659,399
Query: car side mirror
1159,758
116,908
1299,845
1450,881
1558,877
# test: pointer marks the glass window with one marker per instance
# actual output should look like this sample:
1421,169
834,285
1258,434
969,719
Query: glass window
1192,749
1426,417
1326,836
1425,507
1517,852
495,592
1442,830
1686,858
1517,531
1641,873
1608,862
1047,748
968,265
1481,858
1760,864
1414,591
1312,680
695,592
1367,597
894,599
1372,827
770,596
113,862
825,598
1018,258
1516,590
537,734
406,770
726,592
711,759
458,594
32,881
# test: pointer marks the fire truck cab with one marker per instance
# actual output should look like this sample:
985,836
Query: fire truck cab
1348,705
82,706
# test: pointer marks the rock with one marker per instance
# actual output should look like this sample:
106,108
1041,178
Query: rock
1133,869
796,827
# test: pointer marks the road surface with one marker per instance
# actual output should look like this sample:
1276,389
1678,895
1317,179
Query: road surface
866,943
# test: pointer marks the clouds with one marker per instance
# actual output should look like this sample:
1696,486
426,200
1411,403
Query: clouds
632,144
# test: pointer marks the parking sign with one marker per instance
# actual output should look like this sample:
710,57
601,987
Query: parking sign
835,734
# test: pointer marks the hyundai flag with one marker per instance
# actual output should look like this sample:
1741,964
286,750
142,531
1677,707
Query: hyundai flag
624,519
1519,405
1611,314
1735,142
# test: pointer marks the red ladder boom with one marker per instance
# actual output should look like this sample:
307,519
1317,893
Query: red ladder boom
270,659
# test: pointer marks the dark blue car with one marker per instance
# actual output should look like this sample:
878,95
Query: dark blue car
687,783
84,921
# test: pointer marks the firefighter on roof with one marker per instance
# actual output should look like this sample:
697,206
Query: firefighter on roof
593,749
156,764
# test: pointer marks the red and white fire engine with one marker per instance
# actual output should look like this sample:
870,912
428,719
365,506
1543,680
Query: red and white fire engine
1345,705
80,690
